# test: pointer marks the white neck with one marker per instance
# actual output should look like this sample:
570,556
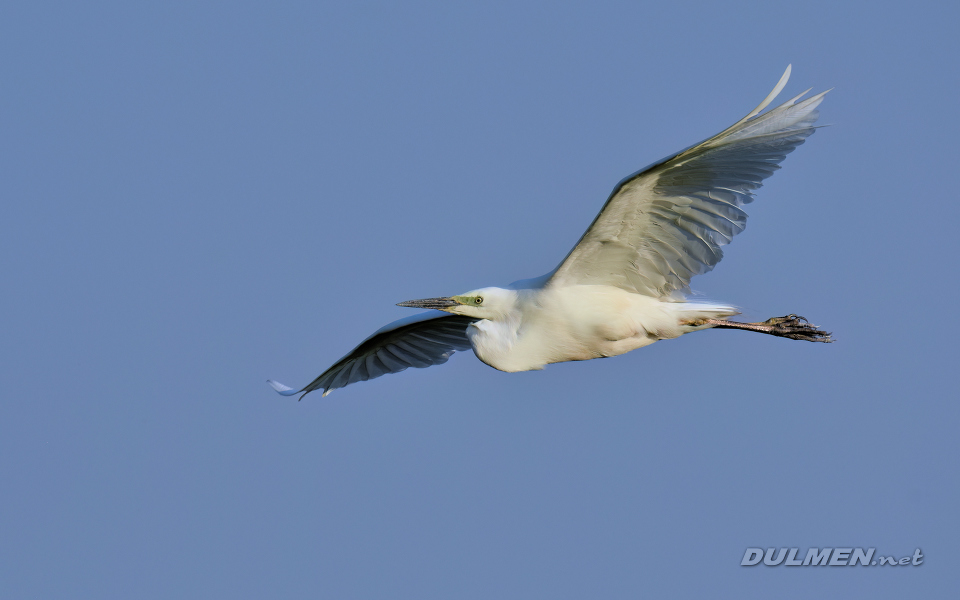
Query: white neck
493,340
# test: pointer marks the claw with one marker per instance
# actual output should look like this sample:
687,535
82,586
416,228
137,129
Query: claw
797,328
790,319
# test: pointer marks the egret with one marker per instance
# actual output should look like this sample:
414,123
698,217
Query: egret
623,285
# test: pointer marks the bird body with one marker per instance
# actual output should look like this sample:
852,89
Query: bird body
623,285
535,327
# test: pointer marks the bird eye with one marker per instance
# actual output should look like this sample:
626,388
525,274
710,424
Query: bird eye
478,300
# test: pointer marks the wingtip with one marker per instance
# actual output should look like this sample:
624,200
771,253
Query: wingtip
753,113
773,94
283,390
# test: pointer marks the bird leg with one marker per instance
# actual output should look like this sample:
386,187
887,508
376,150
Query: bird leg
790,326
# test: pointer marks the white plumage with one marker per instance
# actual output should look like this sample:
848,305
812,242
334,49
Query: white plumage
622,285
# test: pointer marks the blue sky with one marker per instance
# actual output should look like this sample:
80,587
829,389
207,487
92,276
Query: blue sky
198,197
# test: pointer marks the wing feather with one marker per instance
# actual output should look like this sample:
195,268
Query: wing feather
667,222
419,341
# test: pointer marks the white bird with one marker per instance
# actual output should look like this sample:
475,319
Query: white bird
622,286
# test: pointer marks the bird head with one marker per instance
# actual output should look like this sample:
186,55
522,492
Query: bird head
487,303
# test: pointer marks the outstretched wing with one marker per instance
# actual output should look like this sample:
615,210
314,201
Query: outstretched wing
666,223
419,341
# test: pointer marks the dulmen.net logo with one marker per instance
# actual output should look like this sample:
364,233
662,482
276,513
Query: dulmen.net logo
827,557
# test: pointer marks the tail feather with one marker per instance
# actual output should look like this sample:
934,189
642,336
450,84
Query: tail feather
707,310
696,314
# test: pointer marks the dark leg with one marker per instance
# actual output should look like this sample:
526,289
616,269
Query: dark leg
790,326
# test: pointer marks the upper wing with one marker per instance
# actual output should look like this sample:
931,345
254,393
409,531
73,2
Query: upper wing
666,223
419,341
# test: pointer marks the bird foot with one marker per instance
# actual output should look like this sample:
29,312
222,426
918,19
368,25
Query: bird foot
795,327
792,327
